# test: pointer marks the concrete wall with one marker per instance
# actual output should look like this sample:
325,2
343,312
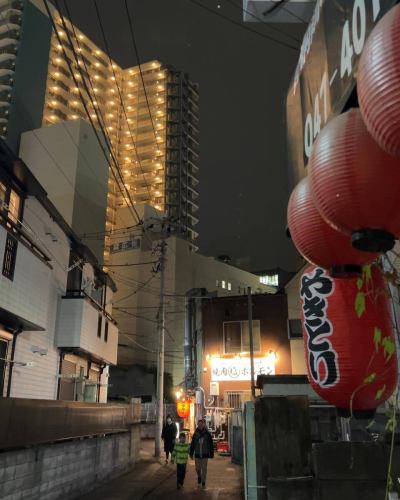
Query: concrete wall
66,470
67,160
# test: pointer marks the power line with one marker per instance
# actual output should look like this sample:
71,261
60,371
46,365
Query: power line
136,215
120,95
242,26
135,47
270,26
133,264
96,109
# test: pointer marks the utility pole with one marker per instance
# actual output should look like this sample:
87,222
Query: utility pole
160,351
250,316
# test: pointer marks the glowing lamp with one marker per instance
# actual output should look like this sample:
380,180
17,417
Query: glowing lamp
349,343
183,408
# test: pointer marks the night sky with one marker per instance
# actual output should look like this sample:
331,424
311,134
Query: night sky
243,82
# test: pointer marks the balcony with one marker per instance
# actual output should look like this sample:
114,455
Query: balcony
84,327
24,281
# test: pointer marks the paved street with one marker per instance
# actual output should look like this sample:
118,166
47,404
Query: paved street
151,479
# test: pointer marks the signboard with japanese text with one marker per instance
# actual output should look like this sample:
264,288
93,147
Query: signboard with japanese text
231,369
325,75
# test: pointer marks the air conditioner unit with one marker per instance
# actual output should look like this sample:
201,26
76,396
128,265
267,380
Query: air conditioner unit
214,388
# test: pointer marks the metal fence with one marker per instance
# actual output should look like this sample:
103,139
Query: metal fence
27,422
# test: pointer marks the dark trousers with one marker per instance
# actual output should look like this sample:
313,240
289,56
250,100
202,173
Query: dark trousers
180,473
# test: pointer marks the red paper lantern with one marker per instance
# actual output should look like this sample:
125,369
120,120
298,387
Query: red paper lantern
316,240
378,82
183,408
348,338
355,184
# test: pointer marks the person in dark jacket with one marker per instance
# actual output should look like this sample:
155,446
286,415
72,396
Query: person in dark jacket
169,433
202,448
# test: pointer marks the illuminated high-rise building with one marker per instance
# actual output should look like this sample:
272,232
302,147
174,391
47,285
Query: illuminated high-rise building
146,117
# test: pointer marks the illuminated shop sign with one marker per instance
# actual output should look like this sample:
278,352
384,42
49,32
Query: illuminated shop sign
229,370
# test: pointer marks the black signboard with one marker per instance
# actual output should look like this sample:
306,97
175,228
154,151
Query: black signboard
326,71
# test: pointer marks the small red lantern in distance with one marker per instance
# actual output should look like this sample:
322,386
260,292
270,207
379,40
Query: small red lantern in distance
317,241
349,342
355,184
378,82
183,408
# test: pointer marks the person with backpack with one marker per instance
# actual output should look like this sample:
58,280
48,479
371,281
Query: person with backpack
202,448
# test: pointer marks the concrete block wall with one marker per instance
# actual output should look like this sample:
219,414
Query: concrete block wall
66,470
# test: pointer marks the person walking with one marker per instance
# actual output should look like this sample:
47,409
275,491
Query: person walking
180,457
168,435
202,448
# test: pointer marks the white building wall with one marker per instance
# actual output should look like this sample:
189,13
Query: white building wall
40,380
23,295
77,327
69,163
136,306
294,312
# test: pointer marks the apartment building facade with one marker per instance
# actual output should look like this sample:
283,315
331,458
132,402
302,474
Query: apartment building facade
147,117
57,334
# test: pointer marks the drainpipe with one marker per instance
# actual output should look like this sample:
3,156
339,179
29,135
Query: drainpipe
188,343
59,374
99,383
11,361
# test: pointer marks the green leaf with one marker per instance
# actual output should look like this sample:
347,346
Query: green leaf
370,378
391,424
389,347
377,338
359,304
360,283
379,392
371,424
367,272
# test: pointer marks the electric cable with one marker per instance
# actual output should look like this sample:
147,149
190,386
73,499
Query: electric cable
120,95
135,213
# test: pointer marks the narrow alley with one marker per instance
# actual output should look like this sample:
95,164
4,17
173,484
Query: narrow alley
152,479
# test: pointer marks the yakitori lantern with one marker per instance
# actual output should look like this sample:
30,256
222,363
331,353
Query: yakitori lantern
316,240
348,338
356,185
378,82
183,408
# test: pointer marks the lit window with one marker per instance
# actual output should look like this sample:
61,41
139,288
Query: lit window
229,286
270,280
223,284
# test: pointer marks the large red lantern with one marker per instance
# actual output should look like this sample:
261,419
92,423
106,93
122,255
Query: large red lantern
348,338
183,408
316,240
378,82
355,184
